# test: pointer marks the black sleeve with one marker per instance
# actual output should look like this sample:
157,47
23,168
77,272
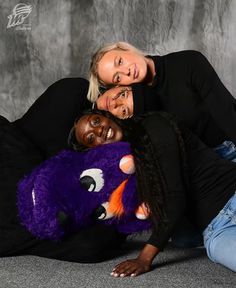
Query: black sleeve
17,158
220,103
165,143
48,121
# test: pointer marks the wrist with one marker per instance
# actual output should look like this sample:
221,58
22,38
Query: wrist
148,253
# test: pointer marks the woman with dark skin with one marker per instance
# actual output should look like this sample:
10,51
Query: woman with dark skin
176,174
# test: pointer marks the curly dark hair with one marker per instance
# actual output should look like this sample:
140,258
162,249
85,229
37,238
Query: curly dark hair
151,184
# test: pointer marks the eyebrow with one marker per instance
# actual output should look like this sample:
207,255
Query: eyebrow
117,95
115,61
123,90
115,64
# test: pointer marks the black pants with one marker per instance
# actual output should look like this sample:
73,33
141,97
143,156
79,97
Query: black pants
24,144
91,245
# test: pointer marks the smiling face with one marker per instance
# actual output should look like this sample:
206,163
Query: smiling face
93,130
122,67
118,101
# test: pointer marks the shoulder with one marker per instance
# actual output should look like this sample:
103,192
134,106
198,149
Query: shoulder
187,61
152,119
160,126
70,83
67,90
191,58
159,118
188,54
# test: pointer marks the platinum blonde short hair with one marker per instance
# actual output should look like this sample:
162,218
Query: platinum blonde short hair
94,81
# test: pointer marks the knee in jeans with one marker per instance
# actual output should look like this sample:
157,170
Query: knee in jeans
213,249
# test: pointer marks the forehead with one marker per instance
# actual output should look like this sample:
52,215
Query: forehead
110,56
81,127
82,121
114,91
114,53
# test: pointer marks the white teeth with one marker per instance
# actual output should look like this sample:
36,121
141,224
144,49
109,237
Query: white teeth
109,133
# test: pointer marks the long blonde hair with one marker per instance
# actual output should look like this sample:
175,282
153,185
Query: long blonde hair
94,81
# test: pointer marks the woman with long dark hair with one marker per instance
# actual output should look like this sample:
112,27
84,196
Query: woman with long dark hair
176,174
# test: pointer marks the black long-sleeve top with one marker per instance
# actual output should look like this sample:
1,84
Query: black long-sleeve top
48,121
212,180
186,85
27,142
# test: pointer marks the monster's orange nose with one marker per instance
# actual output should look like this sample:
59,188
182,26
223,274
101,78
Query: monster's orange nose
115,201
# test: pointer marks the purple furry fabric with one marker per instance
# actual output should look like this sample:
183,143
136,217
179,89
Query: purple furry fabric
62,194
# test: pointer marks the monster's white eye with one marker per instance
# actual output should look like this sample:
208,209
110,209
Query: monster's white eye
92,179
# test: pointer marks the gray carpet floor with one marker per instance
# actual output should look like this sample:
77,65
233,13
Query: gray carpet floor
173,268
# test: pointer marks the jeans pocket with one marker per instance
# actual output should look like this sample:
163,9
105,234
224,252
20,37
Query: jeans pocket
225,217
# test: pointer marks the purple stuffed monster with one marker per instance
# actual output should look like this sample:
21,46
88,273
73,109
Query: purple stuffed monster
73,190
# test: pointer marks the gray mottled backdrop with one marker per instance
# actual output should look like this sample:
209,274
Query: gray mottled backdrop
58,37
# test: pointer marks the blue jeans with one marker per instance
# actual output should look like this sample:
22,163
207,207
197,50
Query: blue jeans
220,236
227,150
187,235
